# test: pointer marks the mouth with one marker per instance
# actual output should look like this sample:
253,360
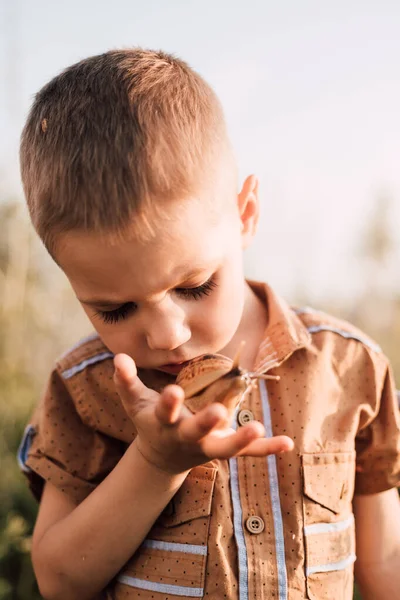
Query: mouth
173,368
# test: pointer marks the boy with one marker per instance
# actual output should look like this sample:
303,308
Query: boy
131,185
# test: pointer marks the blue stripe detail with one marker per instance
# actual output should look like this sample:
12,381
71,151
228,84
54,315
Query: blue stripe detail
68,373
88,338
238,527
175,547
338,566
276,504
345,334
22,453
162,588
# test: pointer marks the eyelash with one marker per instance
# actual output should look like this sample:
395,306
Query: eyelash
121,313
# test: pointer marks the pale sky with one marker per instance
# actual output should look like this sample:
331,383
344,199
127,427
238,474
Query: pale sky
311,92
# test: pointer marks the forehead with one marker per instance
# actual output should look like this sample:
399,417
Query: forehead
187,240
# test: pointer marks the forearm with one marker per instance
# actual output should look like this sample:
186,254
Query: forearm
377,569
79,555
379,580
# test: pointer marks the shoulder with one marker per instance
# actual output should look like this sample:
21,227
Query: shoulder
356,358
81,390
349,348
319,322
88,352
82,382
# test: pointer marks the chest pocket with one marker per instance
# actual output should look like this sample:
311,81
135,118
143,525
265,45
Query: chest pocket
171,562
329,534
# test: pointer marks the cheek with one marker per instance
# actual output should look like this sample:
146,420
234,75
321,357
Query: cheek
231,300
220,315
117,338
231,307
123,340
97,323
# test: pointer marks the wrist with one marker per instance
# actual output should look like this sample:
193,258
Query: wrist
156,468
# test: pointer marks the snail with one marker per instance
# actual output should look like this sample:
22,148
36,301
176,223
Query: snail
217,378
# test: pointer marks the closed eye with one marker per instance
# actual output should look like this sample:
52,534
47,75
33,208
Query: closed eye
119,314
127,309
198,292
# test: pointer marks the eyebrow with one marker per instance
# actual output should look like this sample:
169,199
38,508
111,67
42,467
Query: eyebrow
110,303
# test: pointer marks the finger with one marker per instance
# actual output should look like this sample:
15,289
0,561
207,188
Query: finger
232,443
266,446
128,384
199,425
169,405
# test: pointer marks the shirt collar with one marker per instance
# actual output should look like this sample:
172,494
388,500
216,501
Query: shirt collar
285,332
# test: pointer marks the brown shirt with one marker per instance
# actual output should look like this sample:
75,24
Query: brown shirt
279,527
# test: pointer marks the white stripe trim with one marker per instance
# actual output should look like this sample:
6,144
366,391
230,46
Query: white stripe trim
328,527
175,547
345,334
275,499
238,527
163,588
337,566
266,363
304,310
271,356
68,373
265,344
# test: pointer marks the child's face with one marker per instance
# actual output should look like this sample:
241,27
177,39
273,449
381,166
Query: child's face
175,297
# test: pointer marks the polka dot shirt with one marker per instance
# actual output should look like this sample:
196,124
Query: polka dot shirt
265,528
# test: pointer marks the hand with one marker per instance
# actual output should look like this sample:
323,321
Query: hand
172,438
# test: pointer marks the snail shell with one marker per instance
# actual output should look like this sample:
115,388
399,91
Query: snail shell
214,378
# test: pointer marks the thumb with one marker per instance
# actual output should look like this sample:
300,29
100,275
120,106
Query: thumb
133,393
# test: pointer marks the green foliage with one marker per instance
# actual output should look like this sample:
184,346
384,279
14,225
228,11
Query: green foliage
29,343
357,595
17,509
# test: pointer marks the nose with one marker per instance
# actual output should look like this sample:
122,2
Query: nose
166,328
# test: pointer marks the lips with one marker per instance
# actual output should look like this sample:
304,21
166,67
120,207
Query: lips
172,368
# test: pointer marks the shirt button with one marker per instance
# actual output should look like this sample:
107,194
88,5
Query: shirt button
245,416
255,524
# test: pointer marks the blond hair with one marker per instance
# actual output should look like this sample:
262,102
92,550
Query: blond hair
115,135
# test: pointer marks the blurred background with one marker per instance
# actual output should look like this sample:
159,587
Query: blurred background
311,92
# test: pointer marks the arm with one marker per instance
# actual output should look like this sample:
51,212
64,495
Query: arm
377,568
77,550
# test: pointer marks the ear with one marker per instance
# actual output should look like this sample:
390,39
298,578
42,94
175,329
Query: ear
248,209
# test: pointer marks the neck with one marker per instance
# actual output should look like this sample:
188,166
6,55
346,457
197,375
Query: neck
251,330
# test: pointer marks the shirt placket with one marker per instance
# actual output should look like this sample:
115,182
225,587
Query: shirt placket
256,498
253,500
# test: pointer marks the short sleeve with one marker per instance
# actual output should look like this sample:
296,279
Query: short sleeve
378,444
58,446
